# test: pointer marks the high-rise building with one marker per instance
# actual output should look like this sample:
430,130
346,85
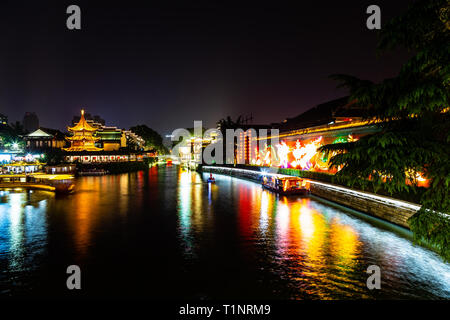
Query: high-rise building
30,122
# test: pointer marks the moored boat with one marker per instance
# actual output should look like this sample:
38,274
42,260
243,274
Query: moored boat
60,183
92,172
286,185
211,179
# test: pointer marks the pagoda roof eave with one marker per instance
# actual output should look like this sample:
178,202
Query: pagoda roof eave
82,125
78,149
80,138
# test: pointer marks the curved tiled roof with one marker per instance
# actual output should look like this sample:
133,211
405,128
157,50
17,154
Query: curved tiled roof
82,125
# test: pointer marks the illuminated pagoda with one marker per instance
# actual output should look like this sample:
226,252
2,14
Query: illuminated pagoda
83,138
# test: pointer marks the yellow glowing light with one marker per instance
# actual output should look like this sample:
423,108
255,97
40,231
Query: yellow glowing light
419,177
416,177
283,151
286,185
297,152
306,222
304,154
267,158
351,138
258,161
344,243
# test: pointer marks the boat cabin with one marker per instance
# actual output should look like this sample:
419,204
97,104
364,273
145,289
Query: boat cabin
286,185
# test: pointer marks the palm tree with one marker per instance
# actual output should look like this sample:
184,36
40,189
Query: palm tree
228,123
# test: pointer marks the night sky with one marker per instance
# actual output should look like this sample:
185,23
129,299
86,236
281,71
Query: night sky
166,63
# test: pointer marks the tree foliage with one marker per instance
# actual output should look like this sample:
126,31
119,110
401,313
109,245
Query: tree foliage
412,112
54,156
153,139
228,123
10,135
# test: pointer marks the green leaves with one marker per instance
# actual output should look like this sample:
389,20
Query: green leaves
412,114
421,25
153,139
432,228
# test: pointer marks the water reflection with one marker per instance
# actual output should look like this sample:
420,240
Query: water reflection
231,231
185,208
265,209
325,251
195,210
23,228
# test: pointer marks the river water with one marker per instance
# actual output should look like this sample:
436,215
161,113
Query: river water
167,234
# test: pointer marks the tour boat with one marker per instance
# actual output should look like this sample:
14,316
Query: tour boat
286,185
60,183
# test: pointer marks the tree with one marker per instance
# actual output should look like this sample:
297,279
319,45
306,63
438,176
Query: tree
10,137
18,128
227,123
153,139
412,111
54,156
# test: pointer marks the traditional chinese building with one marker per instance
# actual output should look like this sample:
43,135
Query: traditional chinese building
44,139
83,138
93,142
111,138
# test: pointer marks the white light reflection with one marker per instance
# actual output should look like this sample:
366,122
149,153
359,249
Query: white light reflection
16,230
282,224
264,211
184,209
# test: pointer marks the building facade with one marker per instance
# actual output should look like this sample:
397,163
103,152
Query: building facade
94,142
110,138
44,139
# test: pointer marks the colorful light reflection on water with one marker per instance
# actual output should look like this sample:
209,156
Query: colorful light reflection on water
170,230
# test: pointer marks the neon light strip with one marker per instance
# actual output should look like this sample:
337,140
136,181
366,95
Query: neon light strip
361,194
262,173
381,199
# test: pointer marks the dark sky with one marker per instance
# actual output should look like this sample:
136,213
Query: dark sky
167,63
